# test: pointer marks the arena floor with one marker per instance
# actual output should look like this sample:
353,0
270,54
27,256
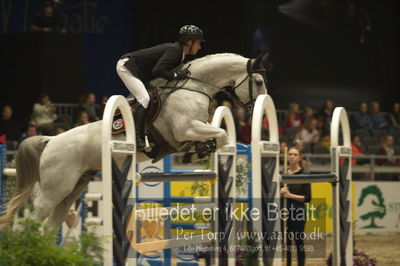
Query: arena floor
384,248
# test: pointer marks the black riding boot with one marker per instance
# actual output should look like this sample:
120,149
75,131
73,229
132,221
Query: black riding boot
139,127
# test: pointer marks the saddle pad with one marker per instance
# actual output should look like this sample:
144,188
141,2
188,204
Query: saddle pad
118,125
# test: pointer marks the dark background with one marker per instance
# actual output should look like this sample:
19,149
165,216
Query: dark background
316,48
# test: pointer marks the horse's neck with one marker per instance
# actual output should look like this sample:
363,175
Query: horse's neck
217,72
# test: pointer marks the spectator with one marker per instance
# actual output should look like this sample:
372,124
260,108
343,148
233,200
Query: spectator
326,115
245,132
357,148
394,117
362,120
48,20
29,132
9,127
293,118
309,133
103,102
83,119
308,112
282,146
44,114
378,120
299,144
241,121
31,122
88,104
387,148
325,136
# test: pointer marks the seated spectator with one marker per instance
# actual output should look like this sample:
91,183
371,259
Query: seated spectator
308,112
299,144
244,135
265,128
325,135
309,133
44,114
102,106
378,120
325,141
83,119
240,118
362,120
357,148
29,132
293,118
282,147
394,117
9,127
326,115
387,148
88,104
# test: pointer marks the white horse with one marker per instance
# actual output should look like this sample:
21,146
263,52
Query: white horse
64,164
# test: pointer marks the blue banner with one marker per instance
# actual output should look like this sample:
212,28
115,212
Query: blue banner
106,26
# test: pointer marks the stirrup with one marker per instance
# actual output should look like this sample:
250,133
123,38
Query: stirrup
148,146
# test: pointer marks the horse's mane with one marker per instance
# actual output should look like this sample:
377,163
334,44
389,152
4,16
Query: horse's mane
230,60
229,57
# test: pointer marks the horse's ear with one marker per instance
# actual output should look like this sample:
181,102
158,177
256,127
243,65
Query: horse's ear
266,62
257,63
265,59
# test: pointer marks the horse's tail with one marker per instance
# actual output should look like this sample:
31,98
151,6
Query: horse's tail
27,164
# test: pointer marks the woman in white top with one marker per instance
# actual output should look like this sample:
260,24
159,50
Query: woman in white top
44,115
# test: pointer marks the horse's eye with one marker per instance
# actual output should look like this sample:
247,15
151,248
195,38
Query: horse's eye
259,82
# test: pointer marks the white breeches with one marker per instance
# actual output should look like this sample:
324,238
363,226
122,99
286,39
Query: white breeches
134,85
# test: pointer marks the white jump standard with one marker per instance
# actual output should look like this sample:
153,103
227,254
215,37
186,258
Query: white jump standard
266,181
340,178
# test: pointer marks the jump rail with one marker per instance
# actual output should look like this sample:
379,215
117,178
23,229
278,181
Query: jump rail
222,175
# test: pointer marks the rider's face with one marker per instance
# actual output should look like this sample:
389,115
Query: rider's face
196,46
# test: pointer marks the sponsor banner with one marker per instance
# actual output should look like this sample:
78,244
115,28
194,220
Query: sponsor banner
378,207
321,200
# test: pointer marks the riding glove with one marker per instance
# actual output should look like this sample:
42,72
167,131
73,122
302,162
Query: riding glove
182,74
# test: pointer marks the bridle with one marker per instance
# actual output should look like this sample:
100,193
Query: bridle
231,91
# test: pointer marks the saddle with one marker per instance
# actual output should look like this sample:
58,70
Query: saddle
161,147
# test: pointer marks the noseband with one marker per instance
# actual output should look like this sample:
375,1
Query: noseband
231,91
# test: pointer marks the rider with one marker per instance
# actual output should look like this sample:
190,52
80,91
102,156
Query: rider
141,66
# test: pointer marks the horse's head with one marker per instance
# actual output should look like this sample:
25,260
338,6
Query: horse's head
252,83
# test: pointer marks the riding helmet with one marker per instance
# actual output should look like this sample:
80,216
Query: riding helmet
190,32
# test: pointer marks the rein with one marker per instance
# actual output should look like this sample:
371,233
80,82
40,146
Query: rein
231,91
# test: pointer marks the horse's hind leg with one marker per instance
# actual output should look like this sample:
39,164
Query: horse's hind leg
53,190
60,212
